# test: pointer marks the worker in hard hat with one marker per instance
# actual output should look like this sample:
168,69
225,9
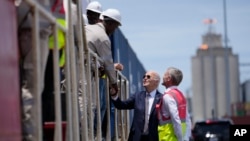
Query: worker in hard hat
93,11
97,36
119,67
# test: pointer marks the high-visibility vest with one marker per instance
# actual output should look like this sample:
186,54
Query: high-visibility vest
58,11
165,127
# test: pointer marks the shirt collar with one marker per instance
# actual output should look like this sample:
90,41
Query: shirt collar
170,88
153,93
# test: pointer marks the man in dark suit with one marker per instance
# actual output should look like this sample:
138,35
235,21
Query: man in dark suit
145,121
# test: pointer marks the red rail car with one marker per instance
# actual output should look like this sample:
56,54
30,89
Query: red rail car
10,125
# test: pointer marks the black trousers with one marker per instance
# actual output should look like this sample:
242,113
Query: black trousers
144,137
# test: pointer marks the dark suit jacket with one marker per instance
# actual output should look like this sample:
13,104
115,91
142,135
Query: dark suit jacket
137,102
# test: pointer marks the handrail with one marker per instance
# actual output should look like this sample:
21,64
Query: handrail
78,75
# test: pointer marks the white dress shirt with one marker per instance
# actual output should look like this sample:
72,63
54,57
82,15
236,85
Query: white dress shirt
151,100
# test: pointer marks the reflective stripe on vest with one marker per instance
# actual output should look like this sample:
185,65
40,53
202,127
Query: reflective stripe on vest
181,106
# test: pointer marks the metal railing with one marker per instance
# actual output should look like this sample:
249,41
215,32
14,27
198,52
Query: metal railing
77,69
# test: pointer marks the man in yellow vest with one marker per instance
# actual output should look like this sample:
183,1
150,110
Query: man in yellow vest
57,10
172,110
48,104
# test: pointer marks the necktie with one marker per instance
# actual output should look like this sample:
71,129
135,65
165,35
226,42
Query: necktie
146,113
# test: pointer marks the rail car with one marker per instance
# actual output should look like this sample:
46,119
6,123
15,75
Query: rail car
124,53
67,124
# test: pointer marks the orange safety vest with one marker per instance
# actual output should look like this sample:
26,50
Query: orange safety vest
181,104
165,127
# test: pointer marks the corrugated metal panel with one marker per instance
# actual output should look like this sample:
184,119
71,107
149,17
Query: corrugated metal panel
10,128
123,53
133,68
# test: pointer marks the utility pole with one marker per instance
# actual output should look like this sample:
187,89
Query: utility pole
227,76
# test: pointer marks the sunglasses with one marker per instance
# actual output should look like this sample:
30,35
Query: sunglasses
146,76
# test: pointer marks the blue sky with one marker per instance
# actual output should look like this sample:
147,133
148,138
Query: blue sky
167,33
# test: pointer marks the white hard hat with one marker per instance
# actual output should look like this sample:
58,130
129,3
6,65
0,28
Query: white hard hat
95,6
113,14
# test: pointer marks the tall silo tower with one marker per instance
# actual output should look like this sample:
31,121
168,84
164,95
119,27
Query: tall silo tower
208,77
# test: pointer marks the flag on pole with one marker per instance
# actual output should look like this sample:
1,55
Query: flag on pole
209,21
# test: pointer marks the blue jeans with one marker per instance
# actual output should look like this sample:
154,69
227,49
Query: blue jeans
102,89
102,98
112,119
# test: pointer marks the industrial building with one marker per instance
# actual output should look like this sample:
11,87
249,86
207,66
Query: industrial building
215,78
